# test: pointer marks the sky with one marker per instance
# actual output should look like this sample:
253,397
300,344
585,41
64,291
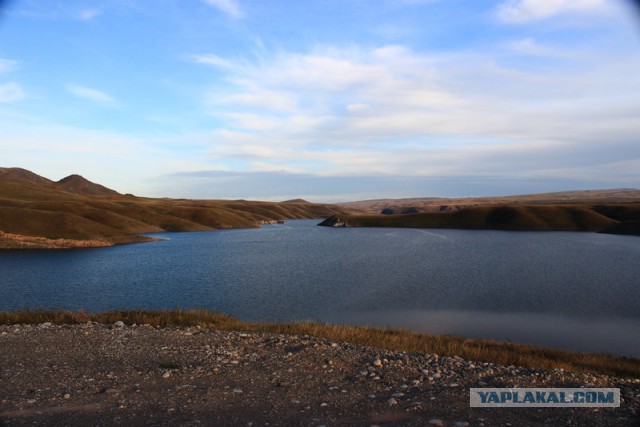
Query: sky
327,100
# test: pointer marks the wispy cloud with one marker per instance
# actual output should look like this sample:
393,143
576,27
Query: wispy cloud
89,14
230,7
520,11
91,94
391,110
11,92
7,65
529,46
212,59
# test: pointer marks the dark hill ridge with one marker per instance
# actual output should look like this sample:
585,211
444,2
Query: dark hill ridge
23,175
605,219
439,204
296,201
74,212
77,184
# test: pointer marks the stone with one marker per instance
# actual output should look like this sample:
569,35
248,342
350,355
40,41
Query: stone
119,324
392,401
435,422
166,374
377,363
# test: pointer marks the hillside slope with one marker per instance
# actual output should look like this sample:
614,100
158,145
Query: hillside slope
439,204
36,212
618,219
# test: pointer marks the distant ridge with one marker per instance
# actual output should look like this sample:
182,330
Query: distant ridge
23,175
296,201
36,212
74,184
440,204
77,184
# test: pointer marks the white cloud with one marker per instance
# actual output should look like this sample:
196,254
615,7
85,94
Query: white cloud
391,110
358,108
212,59
230,7
91,94
89,14
7,65
11,92
519,11
529,46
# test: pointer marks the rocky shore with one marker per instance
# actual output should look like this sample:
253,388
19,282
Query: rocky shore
97,374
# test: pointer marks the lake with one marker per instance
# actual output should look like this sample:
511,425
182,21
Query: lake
578,291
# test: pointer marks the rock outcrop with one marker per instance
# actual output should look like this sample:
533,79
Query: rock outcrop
334,221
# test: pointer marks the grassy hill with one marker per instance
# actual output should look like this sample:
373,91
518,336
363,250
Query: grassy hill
36,212
614,218
619,196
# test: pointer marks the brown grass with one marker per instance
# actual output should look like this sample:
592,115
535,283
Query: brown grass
402,340
500,217
40,209
435,204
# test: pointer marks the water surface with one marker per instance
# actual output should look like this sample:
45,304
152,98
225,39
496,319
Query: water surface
578,291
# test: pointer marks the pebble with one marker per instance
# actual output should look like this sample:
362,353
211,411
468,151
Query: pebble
119,324
350,363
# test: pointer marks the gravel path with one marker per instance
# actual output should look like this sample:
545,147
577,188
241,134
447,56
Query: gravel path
137,375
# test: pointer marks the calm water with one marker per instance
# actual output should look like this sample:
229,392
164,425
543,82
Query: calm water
579,291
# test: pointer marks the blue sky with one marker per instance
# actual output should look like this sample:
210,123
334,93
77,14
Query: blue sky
325,100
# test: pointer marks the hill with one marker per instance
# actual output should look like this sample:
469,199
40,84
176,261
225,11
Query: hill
39,213
614,218
23,175
77,184
443,204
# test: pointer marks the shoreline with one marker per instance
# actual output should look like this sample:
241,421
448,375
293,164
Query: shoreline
113,373
491,351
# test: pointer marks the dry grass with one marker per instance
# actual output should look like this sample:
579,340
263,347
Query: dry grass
40,209
517,218
402,340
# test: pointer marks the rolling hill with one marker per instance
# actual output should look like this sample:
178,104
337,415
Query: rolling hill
442,204
605,218
36,212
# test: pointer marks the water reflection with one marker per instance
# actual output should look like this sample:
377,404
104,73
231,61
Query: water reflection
617,336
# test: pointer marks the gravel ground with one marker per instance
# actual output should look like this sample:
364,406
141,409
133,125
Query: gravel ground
136,375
